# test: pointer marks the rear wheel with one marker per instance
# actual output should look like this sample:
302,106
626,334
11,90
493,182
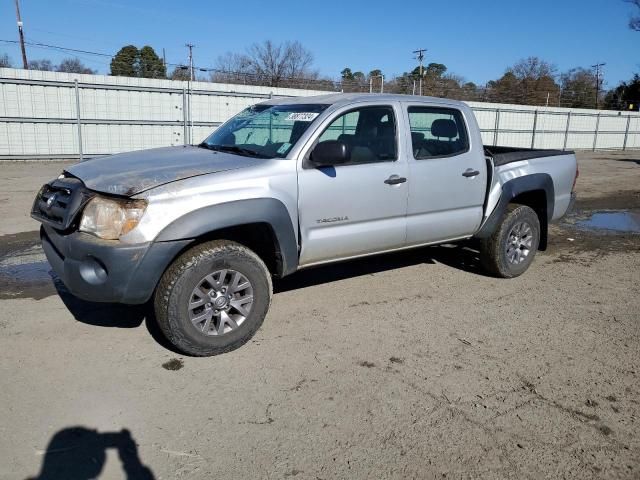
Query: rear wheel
213,298
510,250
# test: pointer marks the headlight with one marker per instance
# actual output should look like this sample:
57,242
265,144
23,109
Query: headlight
111,218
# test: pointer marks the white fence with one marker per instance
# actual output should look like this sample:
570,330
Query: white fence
59,115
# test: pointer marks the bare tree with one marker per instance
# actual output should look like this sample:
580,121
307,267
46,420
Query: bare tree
269,63
232,68
73,65
578,88
535,81
634,21
533,68
5,61
42,65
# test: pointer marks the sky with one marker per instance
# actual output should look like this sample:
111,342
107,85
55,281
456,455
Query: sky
474,39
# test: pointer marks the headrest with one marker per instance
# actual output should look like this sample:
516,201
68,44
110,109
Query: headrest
444,128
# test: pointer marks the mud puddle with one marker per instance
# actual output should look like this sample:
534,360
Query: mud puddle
595,232
615,221
24,270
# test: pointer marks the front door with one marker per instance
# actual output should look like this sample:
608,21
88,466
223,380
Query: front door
357,207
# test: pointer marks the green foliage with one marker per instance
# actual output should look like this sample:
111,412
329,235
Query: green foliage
435,70
625,96
150,65
131,62
126,62
346,74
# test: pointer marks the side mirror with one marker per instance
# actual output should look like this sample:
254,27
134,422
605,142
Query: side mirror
330,152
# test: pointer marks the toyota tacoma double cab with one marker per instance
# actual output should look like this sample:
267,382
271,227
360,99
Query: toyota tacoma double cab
288,184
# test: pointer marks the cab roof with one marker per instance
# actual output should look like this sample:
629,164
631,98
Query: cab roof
340,99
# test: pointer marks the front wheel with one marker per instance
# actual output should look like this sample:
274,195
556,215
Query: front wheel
509,251
213,298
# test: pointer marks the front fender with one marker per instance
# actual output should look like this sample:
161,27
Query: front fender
240,212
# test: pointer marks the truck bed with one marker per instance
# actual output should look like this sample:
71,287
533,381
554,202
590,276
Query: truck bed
504,155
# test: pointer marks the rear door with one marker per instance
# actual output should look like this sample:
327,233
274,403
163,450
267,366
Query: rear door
359,207
447,177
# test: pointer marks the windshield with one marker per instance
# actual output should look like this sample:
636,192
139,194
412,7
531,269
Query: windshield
264,131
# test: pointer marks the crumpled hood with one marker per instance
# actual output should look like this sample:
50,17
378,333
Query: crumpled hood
134,172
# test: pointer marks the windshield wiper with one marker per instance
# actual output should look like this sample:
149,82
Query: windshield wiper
234,149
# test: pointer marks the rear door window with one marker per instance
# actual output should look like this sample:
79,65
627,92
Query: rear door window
437,132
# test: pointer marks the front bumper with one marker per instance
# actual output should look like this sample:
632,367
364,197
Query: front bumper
107,270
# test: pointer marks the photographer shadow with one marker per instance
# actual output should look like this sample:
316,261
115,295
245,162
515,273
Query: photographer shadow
79,453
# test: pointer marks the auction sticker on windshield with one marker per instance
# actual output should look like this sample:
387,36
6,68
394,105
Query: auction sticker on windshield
302,116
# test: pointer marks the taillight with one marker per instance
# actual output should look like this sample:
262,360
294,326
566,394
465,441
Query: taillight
573,187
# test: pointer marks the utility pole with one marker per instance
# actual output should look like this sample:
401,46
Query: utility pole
420,56
190,47
598,67
25,64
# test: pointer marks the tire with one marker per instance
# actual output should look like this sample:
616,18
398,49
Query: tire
509,251
200,285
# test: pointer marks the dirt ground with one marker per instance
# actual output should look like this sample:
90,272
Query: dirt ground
411,365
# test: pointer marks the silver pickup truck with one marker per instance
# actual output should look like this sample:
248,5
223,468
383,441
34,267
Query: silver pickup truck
289,184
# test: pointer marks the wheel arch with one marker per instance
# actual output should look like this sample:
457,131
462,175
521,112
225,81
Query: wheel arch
535,191
261,224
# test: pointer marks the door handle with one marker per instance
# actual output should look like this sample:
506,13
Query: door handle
470,172
395,180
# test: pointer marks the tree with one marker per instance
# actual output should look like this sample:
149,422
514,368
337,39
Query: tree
536,80
505,89
435,70
578,88
276,62
150,65
469,91
352,81
180,73
634,21
5,61
73,65
530,82
273,64
42,65
126,62
432,80
346,74
625,96
359,78
232,68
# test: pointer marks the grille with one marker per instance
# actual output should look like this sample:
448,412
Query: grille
59,201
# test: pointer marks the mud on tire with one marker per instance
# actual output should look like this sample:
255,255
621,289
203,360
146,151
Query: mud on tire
184,296
510,250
